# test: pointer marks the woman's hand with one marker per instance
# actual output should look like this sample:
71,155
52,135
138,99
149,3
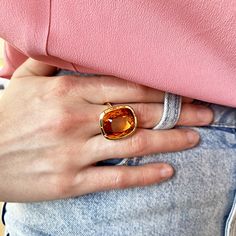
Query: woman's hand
50,137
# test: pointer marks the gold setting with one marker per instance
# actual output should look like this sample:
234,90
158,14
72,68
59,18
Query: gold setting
118,121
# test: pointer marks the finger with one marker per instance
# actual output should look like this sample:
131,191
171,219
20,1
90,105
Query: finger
116,90
33,67
187,100
150,114
120,177
195,115
142,142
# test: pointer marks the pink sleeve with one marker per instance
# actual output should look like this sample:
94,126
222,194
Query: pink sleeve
186,47
12,59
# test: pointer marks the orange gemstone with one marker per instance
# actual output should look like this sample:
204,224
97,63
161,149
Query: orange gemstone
118,122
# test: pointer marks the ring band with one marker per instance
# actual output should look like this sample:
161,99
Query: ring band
117,122
171,111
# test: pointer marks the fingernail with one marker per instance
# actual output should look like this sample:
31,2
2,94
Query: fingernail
193,137
205,115
166,172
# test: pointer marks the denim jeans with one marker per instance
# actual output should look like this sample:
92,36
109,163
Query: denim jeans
197,201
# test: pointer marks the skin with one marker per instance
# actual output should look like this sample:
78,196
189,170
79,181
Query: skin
50,136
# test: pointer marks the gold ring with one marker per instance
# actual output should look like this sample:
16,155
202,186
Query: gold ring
117,122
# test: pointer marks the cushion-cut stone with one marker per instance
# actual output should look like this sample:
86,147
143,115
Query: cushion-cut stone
118,122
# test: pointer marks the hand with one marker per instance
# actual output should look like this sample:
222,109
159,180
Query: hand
50,136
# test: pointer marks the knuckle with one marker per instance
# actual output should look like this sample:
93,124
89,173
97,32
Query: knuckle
63,120
172,139
181,138
142,181
101,84
120,180
138,144
146,113
134,86
140,90
62,85
178,139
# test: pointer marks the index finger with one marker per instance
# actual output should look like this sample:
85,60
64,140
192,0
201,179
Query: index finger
33,67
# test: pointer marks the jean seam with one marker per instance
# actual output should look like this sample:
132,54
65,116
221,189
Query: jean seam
223,125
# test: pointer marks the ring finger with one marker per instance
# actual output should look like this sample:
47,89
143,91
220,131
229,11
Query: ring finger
149,114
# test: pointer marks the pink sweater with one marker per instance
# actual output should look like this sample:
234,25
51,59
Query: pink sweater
187,47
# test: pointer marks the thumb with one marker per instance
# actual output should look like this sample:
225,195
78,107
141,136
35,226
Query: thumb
33,67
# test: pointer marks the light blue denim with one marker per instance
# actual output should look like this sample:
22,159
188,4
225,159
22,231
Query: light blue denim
195,202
